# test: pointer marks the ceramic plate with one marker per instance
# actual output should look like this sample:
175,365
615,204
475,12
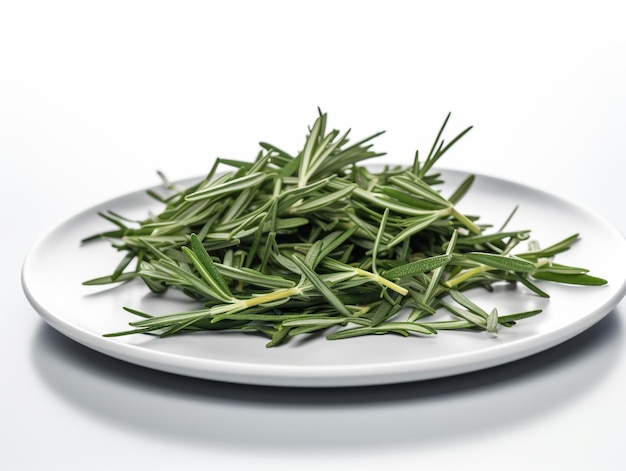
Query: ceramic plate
55,268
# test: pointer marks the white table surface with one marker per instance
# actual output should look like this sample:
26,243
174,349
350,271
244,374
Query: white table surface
97,96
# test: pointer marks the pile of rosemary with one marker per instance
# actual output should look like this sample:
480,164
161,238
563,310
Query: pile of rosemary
293,244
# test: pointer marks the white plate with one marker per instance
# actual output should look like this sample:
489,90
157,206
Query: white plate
55,268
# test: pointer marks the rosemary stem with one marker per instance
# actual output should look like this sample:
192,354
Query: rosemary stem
273,296
383,281
465,221
467,275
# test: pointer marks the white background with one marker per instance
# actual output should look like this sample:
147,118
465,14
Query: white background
97,96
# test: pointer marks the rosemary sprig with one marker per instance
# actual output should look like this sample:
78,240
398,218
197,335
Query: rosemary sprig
292,244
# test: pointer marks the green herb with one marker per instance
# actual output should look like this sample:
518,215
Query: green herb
316,241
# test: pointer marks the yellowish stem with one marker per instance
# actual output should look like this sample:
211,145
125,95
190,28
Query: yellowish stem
362,311
466,275
273,296
466,221
383,281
